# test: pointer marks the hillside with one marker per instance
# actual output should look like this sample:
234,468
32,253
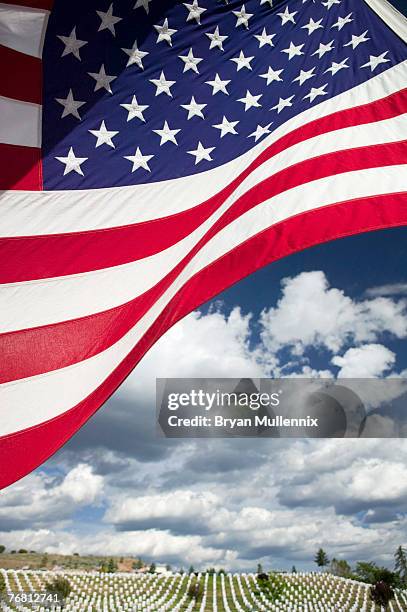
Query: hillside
36,561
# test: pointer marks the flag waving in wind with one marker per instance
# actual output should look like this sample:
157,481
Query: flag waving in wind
154,152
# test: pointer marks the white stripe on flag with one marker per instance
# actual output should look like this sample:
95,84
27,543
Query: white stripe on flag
23,28
20,123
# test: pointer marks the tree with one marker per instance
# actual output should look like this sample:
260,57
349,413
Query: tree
321,558
168,567
259,568
111,566
152,569
381,593
23,551
372,573
340,567
293,569
2,549
138,564
191,570
400,563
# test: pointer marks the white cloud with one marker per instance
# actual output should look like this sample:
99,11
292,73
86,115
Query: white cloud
173,504
312,314
214,345
367,361
386,290
40,499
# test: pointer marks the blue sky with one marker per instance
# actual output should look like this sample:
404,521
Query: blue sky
117,488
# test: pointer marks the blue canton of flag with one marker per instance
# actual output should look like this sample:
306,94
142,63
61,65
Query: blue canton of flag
159,90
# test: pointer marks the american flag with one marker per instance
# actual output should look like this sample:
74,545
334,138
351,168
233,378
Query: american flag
155,152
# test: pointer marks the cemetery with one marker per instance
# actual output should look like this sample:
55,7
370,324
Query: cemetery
196,592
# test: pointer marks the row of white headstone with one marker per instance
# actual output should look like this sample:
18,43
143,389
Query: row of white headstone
123,592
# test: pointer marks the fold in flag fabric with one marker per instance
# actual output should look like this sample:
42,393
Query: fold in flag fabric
155,152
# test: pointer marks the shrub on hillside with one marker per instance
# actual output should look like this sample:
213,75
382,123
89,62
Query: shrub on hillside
59,586
381,593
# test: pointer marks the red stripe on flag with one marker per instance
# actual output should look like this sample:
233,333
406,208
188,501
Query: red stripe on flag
22,76
36,4
21,168
288,237
34,257
50,347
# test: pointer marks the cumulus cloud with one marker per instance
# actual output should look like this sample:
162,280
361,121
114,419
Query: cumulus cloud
367,361
40,499
181,511
310,313
211,345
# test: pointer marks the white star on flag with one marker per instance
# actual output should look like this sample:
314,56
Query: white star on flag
108,20
260,131
165,33
375,61
201,153
72,163
242,17
135,56
322,49
272,75
315,92
312,25
226,127
342,21
265,39
72,44
250,100
191,62
216,39
282,104
304,76
357,40
167,135
242,62
195,11
143,4
194,109
293,50
70,105
102,79
337,66
287,16
329,3
135,109
104,136
218,85
163,86
139,160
